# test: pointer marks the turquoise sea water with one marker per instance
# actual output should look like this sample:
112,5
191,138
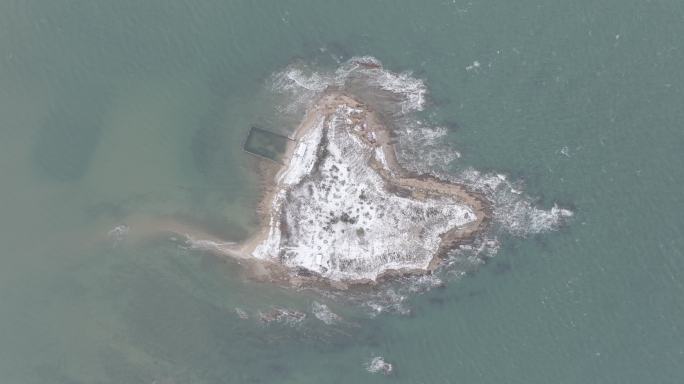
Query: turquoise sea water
111,109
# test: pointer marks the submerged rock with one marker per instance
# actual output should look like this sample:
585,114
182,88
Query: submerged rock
324,314
282,315
118,233
241,313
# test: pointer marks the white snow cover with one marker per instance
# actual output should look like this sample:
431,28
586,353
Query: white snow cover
422,149
380,156
304,156
270,247
341,221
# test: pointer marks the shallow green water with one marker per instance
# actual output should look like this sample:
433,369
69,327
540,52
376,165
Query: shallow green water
115,108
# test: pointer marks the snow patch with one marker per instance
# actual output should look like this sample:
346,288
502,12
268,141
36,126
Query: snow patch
304,156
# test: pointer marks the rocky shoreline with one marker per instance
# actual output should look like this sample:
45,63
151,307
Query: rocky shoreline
352,201
339,131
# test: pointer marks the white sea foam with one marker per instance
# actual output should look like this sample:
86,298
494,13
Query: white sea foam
522,218
302,85
378,365
285,316
241,313
404,84
209,245
422,148
390,300
423,283
512,209
324,314
118,233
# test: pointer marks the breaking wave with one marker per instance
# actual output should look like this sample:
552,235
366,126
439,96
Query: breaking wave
299,85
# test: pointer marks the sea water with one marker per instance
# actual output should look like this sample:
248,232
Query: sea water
113,112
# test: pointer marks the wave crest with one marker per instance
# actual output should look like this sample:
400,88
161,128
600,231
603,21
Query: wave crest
301,85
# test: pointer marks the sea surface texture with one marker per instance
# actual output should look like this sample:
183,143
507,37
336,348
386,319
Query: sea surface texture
121,118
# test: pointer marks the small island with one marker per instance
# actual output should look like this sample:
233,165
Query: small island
339,208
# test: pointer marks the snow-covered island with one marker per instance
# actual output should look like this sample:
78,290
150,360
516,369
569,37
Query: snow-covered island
341,209
349,197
